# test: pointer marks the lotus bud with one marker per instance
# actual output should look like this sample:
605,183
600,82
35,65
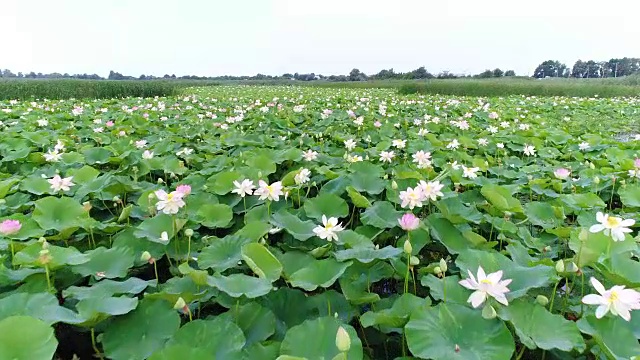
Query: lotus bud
188,232
488,312
542,300
151,196
394,185
584,235
160,181
571,267
409,222
146,256
116,199
413,261
592,166
443,265
180,304
343,341
560,266
437,271
546,249
44,257
407,247
259,174
86,206
596,180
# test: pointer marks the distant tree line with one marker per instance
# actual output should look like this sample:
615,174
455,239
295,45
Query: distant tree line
550,68
354,75
588,69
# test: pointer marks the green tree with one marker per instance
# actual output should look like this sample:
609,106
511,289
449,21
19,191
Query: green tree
551,68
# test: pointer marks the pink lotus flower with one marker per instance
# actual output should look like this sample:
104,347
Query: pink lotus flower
109,123
636,162
9,227
184,189
409,222
377,124
562,173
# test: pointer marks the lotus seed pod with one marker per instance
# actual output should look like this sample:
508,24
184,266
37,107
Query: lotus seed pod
560,266
407,247
343,341
542,300
188,232
437,270
488,312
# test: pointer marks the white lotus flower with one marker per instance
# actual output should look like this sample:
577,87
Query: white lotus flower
302,176
169,203
60,184
243,188
400,144
470,172
431,190
350,144
310,155
147,154
613,226
387,156
529,150
52,156
411,197
487,285
269,192
617,300
329,229
423,159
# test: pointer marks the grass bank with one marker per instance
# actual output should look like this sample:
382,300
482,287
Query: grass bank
92,89
525,86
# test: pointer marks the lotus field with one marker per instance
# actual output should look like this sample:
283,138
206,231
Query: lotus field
290,223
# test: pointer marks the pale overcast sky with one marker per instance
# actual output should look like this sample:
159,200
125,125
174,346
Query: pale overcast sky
245,37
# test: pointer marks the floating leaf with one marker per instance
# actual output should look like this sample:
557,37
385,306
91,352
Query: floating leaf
25,337
382,215
140,333
326,204
323,346
299,229
60,214
532,323
262,261
449,331
236,285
